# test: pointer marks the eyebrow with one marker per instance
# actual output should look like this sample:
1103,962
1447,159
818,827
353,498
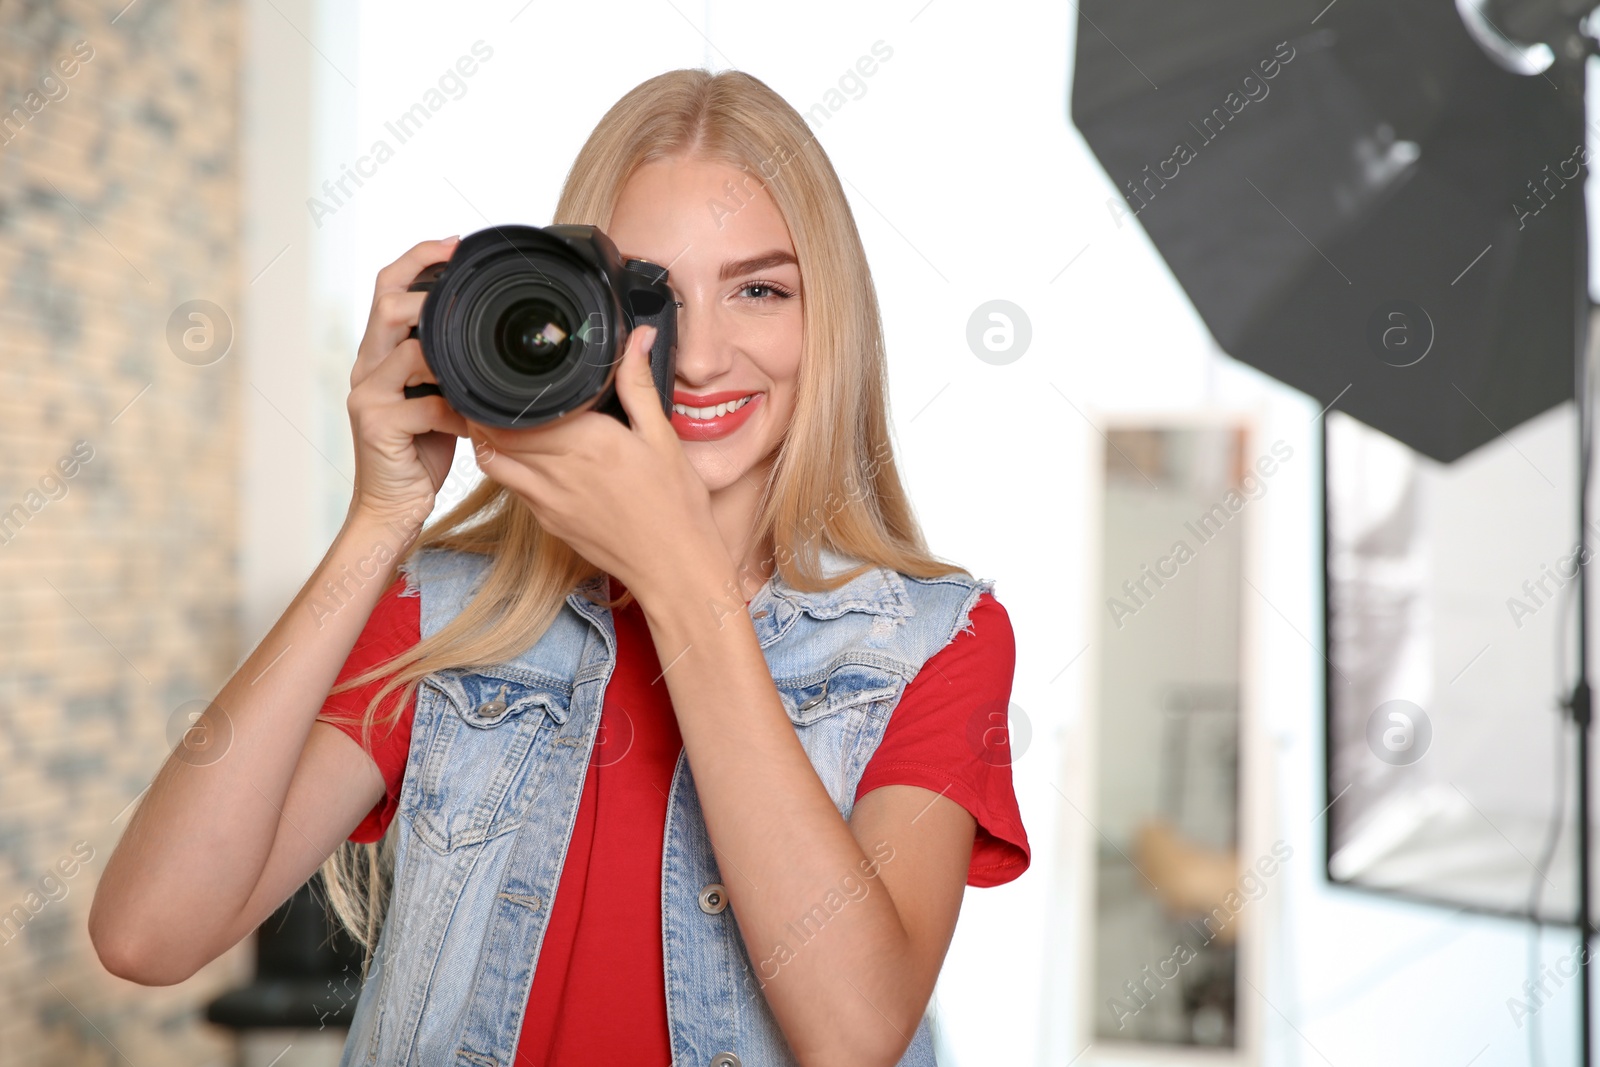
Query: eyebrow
738,268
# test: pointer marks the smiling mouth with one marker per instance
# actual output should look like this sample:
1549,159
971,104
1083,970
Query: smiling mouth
715,411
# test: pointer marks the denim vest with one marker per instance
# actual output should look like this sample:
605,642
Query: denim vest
492,782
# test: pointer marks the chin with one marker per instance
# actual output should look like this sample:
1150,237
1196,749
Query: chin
718,474
720,466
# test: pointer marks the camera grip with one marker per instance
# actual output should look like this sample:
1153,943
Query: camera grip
650,309
421,284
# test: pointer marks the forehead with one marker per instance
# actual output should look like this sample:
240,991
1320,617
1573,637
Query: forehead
696,212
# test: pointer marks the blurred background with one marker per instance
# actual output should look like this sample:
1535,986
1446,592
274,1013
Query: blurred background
190,224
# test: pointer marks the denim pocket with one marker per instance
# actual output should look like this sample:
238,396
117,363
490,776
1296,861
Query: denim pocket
843,686
490,697
485,725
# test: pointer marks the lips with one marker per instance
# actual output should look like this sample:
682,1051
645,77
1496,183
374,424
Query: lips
706,426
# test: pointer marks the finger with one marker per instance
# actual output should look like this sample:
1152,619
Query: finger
403,271
636,387
393,315
501,468
548,438
436,453
403,366
424,414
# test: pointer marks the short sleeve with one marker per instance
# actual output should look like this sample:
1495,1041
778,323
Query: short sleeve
948,734
394,626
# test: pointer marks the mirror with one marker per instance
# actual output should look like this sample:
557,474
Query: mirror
1170,897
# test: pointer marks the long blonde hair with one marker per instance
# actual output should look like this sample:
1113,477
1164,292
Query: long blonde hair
832,483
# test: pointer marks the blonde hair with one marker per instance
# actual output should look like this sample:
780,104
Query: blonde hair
833,481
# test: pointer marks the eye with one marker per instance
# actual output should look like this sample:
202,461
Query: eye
768,290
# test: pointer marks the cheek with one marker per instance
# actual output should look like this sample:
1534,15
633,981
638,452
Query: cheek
784,370
782,362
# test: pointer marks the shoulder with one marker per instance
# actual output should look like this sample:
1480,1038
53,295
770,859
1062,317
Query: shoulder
949,734
393,628
987,625
438,563
915,615
955,604
445,578
979,654
954,587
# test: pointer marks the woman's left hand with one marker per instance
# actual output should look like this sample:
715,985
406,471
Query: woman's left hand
626,498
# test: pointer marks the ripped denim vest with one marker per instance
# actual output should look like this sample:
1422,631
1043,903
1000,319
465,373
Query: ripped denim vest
494,774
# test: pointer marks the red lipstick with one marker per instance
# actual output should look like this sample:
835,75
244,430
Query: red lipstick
717,427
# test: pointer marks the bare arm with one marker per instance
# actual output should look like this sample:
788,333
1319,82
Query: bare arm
229,829
185,882
856,990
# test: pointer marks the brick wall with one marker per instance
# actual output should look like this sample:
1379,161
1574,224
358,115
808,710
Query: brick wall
119,206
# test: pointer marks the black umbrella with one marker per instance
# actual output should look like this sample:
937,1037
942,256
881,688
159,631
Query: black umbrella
1357,199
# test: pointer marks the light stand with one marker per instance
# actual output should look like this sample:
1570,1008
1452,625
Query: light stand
1580,704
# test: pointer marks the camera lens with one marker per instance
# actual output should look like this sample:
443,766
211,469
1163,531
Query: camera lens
533,336
527,344
523,325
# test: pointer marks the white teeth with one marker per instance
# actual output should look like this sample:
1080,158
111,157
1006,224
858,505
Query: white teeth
715,412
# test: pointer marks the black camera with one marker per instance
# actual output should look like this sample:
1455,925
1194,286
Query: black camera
524,324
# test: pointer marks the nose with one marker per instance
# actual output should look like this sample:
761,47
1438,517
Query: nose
703,353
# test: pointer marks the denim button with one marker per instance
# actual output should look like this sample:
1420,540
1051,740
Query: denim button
814,701
496,705
713,898
759,614
724,1059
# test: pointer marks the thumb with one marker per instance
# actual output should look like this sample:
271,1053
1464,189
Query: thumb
636,386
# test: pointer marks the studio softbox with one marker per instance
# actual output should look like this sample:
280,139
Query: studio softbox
1356,198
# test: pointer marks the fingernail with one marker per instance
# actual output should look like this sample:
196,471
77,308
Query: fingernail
452,240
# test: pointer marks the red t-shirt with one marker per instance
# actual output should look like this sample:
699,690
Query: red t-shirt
602,957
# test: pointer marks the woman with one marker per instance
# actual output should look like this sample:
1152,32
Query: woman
691,743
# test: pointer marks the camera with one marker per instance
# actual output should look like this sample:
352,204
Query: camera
525,324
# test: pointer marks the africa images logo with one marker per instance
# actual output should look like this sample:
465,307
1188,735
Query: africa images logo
1140,192
1205,528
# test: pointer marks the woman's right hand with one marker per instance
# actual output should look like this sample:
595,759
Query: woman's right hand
404,447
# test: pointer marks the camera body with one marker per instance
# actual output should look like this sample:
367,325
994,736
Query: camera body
524,324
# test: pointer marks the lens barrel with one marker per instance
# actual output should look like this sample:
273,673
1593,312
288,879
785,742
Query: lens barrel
524,325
